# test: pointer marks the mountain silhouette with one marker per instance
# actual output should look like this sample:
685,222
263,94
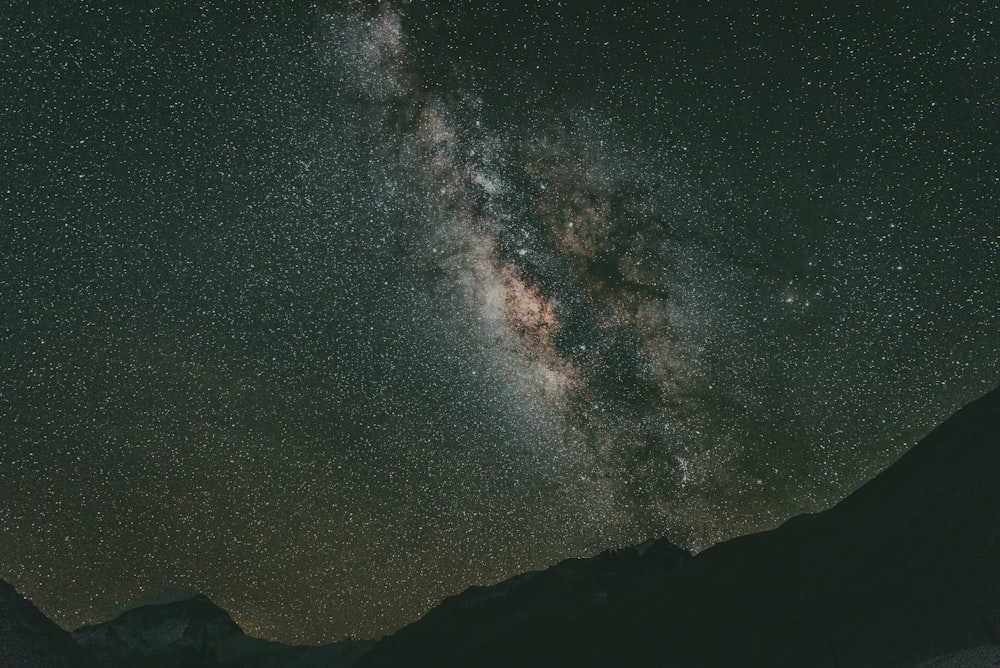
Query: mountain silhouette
903,573
904,569
194,632
28,639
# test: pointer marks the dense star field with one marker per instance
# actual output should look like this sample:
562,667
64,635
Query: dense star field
331,311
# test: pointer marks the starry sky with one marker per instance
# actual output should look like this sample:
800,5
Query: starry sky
333,310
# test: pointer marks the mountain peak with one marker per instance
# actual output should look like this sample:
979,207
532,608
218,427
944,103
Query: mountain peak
186,629
28,639
194,631
905,568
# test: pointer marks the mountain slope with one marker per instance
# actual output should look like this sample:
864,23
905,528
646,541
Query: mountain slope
534,607
196,632
28,639
904,569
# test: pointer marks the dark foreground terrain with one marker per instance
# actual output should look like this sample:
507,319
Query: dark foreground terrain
904,572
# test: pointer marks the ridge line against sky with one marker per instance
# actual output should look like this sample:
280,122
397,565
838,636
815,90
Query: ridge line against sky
332,311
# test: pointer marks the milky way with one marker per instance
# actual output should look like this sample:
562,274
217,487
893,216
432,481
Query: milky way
334,312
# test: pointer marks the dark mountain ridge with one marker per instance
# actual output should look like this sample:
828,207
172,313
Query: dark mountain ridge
196,632
28,639
905,569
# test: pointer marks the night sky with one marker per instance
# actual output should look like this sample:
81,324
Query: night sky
332,311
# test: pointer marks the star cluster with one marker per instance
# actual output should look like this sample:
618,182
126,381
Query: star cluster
333,311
